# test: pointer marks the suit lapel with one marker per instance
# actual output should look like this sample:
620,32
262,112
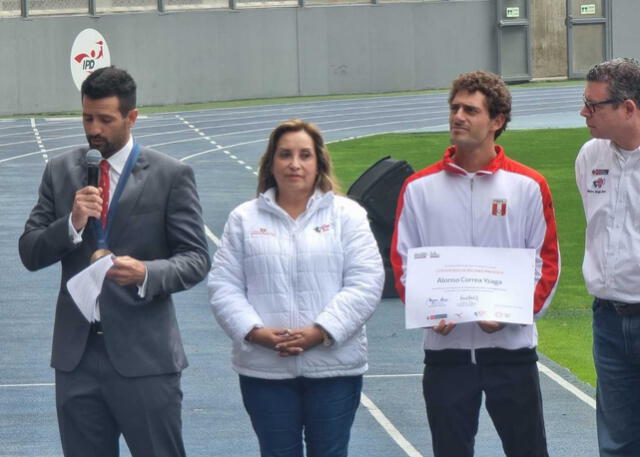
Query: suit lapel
130,197
78,172
77,179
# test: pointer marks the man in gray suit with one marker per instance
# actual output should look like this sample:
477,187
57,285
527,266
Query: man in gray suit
119,374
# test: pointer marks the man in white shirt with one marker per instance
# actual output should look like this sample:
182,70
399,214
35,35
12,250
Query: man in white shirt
608,177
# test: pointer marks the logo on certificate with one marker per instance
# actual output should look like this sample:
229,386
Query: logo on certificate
499,207
424,255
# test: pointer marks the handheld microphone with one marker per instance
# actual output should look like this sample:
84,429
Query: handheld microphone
93,167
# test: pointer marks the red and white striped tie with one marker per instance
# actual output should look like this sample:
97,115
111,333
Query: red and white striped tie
104,185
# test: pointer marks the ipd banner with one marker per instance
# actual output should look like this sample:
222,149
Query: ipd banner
88,53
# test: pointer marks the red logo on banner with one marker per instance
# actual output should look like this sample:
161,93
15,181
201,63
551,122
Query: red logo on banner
89,52
89,59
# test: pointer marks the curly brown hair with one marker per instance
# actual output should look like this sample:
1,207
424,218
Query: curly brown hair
325,181
494,89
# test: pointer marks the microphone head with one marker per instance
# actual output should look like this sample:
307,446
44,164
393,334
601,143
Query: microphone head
93,167
93,157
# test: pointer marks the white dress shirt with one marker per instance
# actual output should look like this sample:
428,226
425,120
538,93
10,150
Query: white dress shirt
609,182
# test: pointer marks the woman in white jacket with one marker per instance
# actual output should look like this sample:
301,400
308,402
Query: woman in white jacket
295,278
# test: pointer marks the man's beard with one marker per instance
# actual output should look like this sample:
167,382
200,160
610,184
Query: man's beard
105,147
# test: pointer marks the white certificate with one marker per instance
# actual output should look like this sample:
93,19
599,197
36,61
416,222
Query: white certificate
466,284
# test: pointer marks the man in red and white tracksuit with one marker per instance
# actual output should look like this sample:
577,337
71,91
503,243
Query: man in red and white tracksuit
477,196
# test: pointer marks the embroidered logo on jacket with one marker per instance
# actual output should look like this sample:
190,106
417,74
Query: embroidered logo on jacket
599,183
262,231
322,228
499,207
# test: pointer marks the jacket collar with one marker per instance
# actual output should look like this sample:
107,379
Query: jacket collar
496,164
317,201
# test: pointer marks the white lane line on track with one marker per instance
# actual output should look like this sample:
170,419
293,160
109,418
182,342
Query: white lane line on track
211,236
63,119
213,142
264,140
424,115
36,133
367,403
388,427
42,384
9,159
79,118
566,385
54,138
408,375
191,156
371,102
555,377
20,126
67,147
395,434
442,127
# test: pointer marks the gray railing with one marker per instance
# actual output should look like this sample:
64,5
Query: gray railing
27,8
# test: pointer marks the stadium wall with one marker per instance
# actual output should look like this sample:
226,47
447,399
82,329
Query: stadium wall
625,33
194,56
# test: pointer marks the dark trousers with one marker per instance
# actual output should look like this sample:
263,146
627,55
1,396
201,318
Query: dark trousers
95,405
453,395
281,410
616,353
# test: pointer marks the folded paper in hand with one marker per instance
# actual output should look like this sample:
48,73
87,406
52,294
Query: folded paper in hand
85,286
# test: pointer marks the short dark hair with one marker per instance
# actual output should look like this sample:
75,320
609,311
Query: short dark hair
109,82
325,180
622,76
494,89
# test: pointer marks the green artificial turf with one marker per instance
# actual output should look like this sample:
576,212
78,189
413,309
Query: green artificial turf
565,330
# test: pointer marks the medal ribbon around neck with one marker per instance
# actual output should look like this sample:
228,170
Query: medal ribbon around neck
103,235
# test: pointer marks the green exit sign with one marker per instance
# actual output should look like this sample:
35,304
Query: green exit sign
588,9
513,12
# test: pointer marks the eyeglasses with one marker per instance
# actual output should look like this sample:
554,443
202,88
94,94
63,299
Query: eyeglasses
591,106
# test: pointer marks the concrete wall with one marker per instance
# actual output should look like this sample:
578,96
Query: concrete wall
196,56
625,30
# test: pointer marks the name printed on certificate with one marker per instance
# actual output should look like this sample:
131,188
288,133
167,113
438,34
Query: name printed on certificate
467,284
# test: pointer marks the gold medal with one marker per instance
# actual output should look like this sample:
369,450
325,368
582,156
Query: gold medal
100,253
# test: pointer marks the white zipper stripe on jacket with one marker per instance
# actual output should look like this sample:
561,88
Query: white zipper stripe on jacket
473,243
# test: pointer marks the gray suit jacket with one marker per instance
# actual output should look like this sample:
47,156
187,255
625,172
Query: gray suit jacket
159,222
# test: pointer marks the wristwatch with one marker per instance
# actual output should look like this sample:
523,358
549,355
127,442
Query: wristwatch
327,341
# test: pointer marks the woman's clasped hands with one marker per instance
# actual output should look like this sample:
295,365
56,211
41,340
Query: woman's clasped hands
287,342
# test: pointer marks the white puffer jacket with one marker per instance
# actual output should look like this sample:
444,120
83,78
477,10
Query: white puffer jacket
273,271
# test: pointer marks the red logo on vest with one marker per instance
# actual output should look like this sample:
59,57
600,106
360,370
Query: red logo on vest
499,208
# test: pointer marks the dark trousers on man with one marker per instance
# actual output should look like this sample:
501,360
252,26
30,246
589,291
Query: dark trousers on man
616,353
453,388
96,404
